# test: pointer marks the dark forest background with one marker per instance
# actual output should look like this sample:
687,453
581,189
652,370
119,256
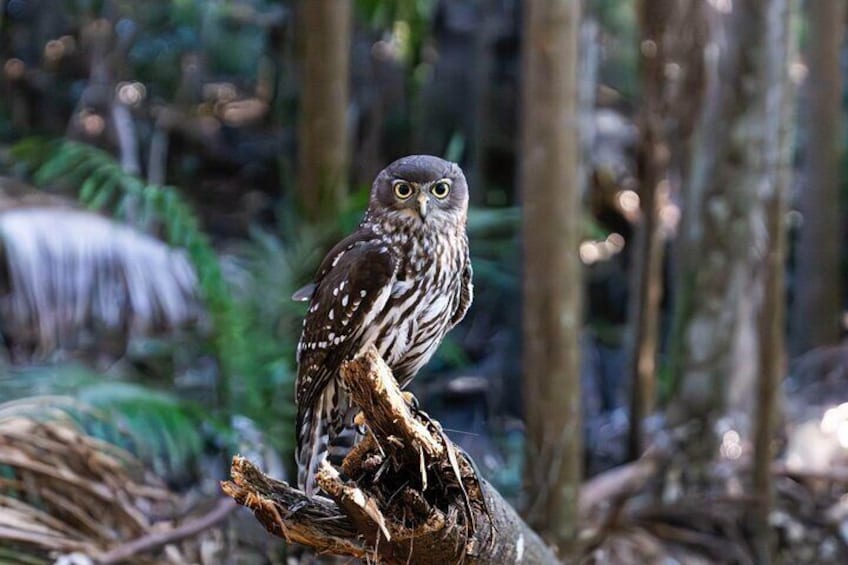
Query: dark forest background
657,220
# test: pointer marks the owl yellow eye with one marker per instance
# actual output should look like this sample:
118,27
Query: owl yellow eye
403,190
441,189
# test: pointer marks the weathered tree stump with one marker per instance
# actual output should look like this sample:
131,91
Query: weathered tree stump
405,494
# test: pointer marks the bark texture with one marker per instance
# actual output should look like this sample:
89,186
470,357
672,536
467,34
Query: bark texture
817,314
773,195
410,496
322,153
726,240
730,350
552,269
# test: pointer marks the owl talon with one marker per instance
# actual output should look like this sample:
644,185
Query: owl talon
359,420
411,400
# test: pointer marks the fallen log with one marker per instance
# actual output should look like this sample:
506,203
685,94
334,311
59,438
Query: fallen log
405,494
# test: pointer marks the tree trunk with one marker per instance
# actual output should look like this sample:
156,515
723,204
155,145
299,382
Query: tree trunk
730,297
730,241
773,195
323,129
652,161
817,314
411,497
552,270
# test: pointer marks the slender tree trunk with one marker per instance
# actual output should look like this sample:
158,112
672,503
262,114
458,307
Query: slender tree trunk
652,159
728,239
687,35
323,129
482,77
774,195
552,270
818,301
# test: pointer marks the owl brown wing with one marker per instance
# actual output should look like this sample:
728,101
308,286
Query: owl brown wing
305,292
352,287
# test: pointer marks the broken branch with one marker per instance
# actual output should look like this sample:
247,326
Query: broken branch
408,494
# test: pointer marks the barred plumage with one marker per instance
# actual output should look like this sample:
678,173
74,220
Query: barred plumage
399,282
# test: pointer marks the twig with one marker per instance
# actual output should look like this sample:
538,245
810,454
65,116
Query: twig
127,142
619,482
834,474
156,540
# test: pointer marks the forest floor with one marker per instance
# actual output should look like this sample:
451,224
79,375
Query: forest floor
659,507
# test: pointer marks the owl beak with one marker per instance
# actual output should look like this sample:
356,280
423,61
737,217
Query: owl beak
422,205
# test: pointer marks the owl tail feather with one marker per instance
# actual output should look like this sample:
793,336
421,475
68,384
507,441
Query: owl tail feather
312,446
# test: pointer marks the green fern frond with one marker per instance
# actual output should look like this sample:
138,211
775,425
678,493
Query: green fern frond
103,184
159,429
163,432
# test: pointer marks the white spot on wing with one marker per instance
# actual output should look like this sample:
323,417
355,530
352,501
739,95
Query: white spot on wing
344,300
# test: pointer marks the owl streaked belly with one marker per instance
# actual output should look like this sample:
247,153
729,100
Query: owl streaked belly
416,315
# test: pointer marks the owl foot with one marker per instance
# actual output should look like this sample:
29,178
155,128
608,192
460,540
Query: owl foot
411,400
360,422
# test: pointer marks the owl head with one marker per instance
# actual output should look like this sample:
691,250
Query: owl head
422,189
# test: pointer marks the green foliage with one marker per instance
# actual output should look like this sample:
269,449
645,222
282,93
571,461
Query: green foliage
162,431
270,267
225,33
103,185
269,271
409,20
619,36
493,235
156,427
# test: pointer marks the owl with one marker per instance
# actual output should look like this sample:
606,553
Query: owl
399,282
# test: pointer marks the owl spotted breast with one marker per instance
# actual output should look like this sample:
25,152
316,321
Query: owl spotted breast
399,282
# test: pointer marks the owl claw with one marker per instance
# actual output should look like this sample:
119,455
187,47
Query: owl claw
411,400
359,420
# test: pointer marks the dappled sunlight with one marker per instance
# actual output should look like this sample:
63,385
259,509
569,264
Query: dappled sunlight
131,93
603,250
731,445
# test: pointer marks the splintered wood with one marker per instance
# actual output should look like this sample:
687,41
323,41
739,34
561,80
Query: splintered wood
372,387
405,493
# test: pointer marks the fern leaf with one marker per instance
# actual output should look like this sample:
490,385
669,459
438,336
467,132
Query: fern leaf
107,184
